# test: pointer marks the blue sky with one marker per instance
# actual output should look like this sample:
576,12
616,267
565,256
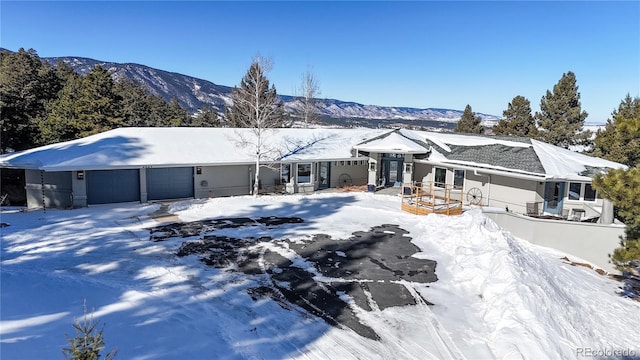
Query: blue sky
416,54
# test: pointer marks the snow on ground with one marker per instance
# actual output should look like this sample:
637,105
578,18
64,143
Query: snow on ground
496,297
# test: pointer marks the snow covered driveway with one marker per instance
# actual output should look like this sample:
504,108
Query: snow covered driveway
495,296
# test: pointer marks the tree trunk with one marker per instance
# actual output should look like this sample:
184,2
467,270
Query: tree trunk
256,180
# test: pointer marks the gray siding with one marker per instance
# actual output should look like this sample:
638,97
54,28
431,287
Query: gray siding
226,180
57,189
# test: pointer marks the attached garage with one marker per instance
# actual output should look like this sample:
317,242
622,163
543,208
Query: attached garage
169,183
113,186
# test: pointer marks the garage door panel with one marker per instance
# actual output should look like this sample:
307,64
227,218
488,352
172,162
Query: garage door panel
113,186
169,183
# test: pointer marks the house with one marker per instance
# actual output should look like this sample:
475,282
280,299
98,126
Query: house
146,164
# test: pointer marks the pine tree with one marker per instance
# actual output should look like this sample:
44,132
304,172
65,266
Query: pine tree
620,139
561,119
620,142
88,342
206,117
27,85
517,120
85,106
622,187
256,106
255,103
469,122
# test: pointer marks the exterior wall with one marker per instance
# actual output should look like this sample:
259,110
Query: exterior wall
57,189
224,180
591,242
480,181
512,193
357,170
421,172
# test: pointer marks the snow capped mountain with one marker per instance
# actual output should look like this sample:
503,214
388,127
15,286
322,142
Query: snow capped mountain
193,94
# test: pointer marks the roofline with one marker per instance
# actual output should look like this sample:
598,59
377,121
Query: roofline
151,166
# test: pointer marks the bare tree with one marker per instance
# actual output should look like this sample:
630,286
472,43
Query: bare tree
256,106
310,89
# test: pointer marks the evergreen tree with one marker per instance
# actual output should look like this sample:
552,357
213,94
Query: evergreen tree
255,103
85,106
620,139
469,122
27,85
517,120
206,117
176,115
88,342
561,119
620,142
256,106
622,187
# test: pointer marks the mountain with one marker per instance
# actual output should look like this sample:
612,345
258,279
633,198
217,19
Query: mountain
193,94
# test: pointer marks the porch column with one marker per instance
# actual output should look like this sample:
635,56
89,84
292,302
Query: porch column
143,185
372,174
407,171
79,188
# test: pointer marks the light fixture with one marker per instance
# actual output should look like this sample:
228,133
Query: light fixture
80,175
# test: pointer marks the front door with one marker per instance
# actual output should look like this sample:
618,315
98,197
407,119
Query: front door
553,197
325,174
393,171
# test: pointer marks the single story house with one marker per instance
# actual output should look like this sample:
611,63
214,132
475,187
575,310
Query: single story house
145,164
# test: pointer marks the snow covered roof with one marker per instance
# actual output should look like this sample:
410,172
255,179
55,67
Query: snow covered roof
169,147
392,142
508,154
172,147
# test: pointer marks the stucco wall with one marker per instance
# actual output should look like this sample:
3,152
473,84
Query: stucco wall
226,180
512,193
57,189
357,170
591,242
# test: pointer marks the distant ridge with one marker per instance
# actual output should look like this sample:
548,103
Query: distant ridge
194,94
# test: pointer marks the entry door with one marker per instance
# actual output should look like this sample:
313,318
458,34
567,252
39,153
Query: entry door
325,174
393,171
553,197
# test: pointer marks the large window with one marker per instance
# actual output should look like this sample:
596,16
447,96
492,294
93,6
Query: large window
304,173
574,191
458,179
439,177
589,193
581,191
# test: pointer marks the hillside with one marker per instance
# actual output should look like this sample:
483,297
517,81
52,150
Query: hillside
193,94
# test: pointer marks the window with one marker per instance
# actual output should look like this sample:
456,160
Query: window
458,179
304,173
589,193
440,177
285,173
574,191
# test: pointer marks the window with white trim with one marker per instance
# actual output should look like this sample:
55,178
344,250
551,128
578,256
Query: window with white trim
458,179
589,193
439,177
304,173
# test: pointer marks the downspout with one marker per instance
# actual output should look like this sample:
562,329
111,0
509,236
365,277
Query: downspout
475,172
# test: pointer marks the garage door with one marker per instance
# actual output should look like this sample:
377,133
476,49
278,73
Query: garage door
113,186
169,183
